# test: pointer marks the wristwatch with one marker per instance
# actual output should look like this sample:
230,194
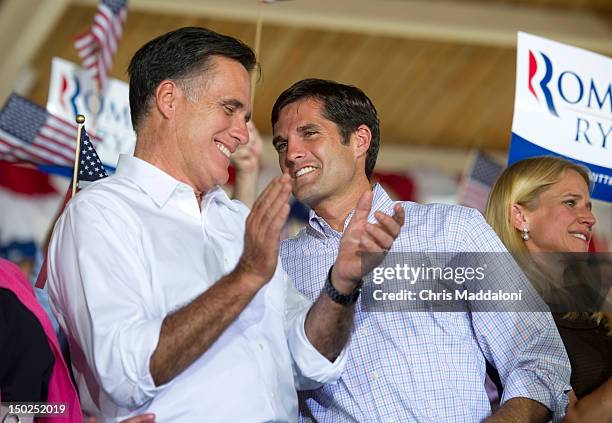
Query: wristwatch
338,297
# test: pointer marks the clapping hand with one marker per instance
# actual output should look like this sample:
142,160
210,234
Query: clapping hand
263,229
361,242
247,157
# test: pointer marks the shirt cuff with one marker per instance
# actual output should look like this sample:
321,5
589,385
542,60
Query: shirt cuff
310,363
142,339
540,387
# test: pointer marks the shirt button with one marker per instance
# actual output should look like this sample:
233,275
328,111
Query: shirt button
375,375
261,347
226,261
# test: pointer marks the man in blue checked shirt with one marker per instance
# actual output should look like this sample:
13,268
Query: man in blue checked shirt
412,366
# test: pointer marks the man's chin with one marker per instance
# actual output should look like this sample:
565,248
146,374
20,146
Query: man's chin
306,195
223,178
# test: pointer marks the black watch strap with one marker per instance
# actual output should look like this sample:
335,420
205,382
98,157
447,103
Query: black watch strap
338,297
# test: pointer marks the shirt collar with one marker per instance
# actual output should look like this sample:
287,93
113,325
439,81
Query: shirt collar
156,183
217,194
381,201
160,186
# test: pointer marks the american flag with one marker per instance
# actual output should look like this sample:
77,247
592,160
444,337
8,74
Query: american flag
97,46
478,181
30,134
90,169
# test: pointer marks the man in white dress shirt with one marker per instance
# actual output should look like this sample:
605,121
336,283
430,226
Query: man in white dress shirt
171,297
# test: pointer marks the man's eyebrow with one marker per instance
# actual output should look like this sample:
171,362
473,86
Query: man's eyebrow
308,127
232,102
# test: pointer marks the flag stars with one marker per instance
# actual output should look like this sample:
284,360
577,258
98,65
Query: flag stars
91,167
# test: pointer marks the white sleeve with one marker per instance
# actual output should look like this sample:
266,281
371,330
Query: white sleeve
98,284
311,368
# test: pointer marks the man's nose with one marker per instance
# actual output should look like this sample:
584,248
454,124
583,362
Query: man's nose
295,150
240,132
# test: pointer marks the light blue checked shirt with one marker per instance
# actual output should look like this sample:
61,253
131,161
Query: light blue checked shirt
429,366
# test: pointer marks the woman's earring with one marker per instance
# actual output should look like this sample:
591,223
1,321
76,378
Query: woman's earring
525,234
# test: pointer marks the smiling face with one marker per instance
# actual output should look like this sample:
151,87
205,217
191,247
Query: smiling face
562,220
209,128
310,148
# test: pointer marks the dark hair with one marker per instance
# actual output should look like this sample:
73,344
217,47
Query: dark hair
345,105
178,55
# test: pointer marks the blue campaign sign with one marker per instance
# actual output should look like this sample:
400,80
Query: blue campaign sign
563,107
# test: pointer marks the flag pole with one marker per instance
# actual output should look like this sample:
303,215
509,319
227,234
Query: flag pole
80,120
257,45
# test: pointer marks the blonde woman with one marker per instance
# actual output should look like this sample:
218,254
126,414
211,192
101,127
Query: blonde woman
542,205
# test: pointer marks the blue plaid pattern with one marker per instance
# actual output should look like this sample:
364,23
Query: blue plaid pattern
425,366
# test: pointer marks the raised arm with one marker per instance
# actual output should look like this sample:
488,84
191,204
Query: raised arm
328,325
189,332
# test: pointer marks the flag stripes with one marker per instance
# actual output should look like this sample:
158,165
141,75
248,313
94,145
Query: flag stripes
97,46
28,133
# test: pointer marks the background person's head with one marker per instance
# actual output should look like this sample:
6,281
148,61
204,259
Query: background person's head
327,137
542,204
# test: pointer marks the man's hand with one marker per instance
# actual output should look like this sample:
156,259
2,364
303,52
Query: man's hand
328,324
188,332
246,160
362,240
247,157
263,229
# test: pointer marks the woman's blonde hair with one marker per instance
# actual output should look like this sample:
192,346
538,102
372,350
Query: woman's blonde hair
522,183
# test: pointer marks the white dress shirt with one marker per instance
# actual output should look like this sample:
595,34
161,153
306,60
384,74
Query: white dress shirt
133,248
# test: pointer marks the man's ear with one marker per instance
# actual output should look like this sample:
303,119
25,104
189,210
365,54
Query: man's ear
518,216
166,96
363,137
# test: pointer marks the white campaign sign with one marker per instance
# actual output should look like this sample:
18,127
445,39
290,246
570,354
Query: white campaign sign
71,92
563,106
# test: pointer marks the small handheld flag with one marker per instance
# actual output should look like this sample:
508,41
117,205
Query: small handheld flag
87,169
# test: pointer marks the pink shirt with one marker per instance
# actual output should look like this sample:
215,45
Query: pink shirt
60,384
